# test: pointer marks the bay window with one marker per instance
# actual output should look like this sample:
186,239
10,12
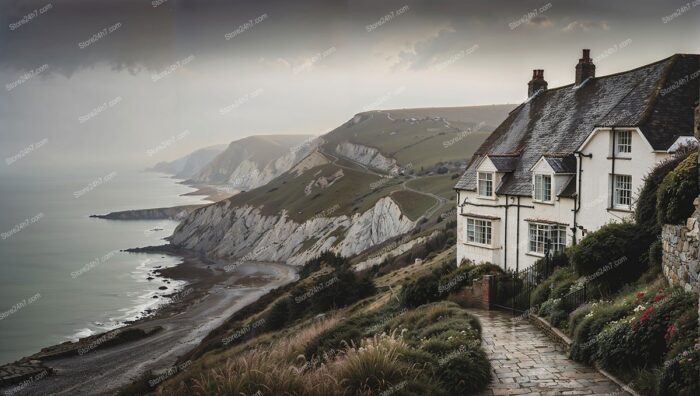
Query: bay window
479,231
540,233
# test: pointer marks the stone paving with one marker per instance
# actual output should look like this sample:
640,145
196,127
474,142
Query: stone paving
526,362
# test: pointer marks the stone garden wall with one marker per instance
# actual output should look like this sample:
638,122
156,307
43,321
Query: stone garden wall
680,258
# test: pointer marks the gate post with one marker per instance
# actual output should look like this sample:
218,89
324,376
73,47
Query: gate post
486,291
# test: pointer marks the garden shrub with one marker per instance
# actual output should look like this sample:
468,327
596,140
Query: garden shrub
611,256
676,193
577,316
465,371
679,376
656,252
541,293
557,260
584,345
640,339
645,208
420,291
680,372
558,318
562,280
557,285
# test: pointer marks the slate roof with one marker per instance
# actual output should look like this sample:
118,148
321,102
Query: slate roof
658,98
566,164
506,163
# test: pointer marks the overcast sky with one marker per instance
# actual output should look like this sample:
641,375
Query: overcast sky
112,81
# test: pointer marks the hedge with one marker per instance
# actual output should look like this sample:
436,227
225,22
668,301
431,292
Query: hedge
612,255
676,193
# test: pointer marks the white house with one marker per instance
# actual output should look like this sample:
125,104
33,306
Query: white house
572,159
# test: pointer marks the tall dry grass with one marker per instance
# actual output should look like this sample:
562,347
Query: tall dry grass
278,369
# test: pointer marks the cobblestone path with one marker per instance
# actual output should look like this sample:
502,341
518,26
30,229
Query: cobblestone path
526,362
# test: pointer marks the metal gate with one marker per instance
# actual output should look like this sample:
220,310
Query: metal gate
513,290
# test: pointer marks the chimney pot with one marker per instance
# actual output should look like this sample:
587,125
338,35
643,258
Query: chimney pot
585,68
537,83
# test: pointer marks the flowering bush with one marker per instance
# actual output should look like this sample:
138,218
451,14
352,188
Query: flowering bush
641,338
584,346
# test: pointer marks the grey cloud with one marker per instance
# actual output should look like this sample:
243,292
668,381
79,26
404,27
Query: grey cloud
586,26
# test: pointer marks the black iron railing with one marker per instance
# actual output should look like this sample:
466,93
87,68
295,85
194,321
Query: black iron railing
513,290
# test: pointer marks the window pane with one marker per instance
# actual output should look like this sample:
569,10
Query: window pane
485,184
623,190
479,231
624,141
547,187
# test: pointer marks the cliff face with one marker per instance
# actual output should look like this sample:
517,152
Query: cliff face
190,164
222,230
254,161
367,156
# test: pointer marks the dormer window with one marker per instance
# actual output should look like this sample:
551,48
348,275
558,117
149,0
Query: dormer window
542,188
485,184
623,142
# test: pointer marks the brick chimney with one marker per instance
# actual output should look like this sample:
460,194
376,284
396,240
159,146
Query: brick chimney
585,67
537,83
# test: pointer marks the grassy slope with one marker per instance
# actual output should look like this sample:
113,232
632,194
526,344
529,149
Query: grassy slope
442,185
303,332
421,142
413,204
352,193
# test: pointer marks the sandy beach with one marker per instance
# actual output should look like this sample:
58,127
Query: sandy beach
210,297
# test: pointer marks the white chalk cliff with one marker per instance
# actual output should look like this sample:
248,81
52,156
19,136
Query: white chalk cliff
368,156
221,230
254,161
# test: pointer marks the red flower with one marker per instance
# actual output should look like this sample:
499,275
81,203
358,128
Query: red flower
646,314
658,297
639,297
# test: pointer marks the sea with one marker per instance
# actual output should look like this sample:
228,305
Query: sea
63,275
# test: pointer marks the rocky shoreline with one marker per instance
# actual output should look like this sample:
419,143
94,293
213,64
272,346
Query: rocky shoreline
153,342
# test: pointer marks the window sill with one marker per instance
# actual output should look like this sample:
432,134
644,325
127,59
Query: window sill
620,158
481,245
542,202
491,198
621,209
533,254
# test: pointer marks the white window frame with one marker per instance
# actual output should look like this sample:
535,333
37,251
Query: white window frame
542,232
538,190
479,231
623,142
622,192
490,179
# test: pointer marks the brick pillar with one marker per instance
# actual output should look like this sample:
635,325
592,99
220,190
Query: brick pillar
486,292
